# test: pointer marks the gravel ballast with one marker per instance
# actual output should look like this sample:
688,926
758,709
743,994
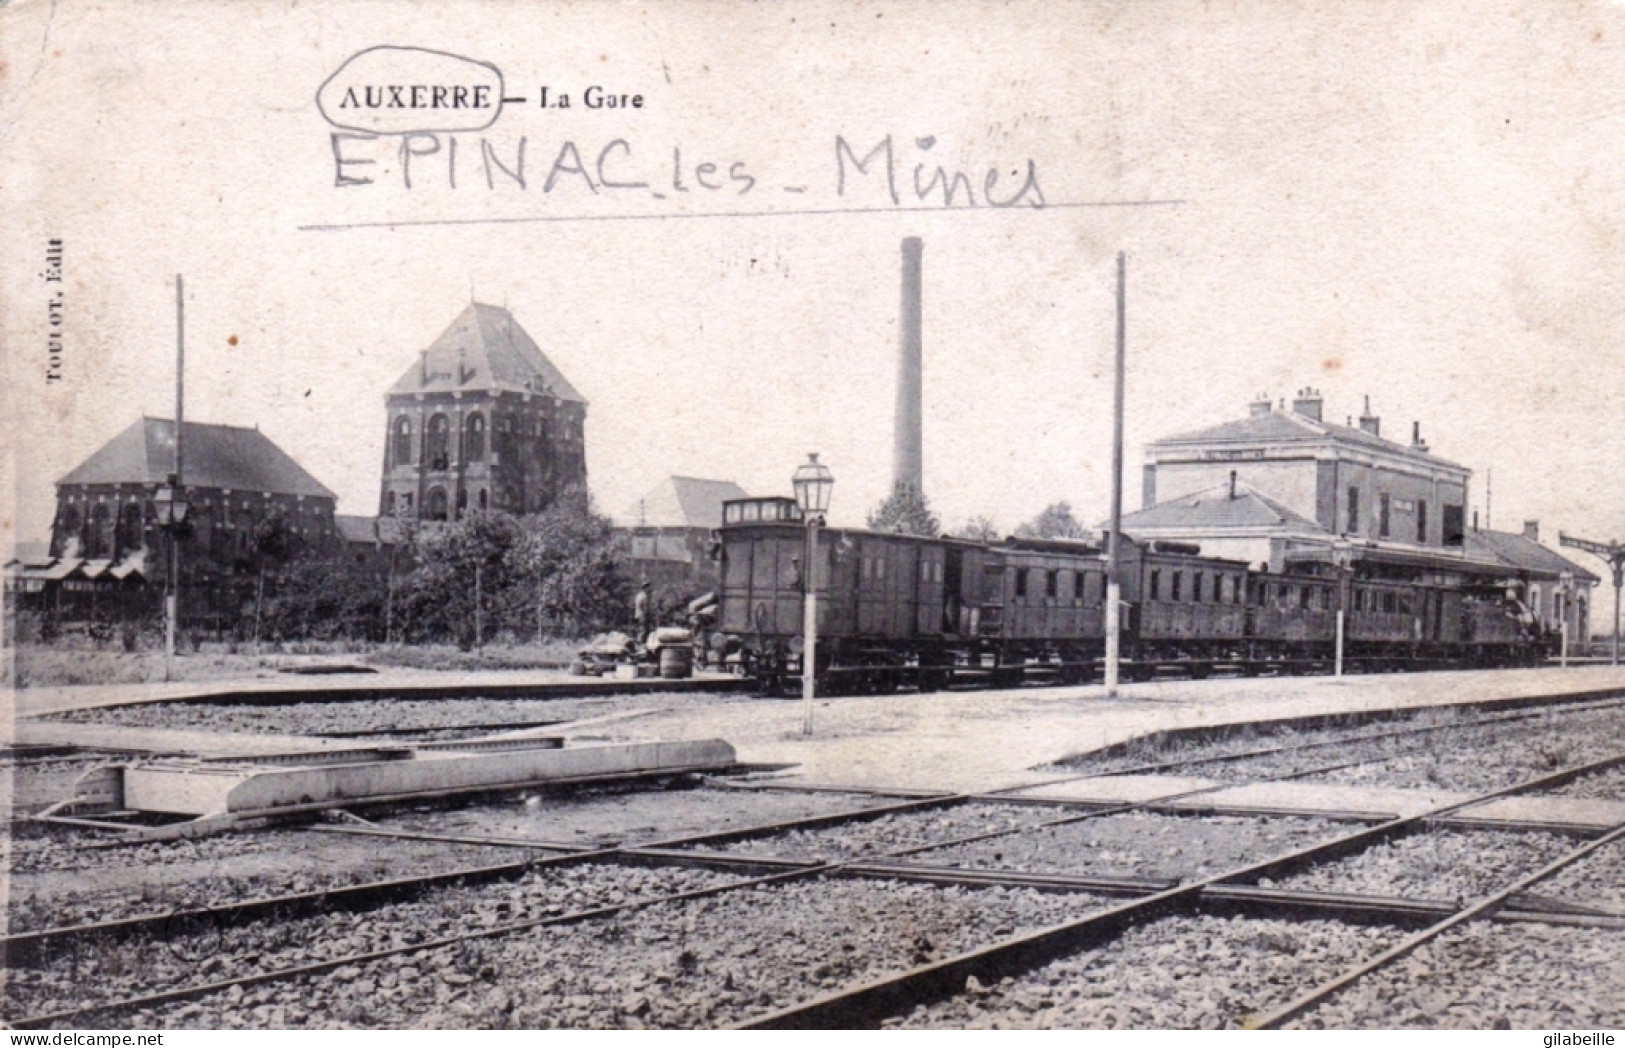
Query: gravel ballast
873,838
633,816
700,963
1205,973
1162,847
55,884
371,715
1603,785
223,950
1487,976
1442,865
1596,881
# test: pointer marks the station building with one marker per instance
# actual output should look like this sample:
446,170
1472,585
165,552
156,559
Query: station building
1285,487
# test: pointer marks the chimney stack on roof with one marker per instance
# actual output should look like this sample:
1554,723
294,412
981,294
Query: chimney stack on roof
1531,530
1369,422
1259,406
907,449
1308,403
1416,437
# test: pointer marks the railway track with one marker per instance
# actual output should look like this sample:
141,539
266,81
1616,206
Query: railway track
1147,898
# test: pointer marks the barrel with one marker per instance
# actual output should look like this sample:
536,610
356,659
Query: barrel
676,662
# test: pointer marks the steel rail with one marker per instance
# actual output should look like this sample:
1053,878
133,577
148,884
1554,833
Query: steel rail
78,1014
1279,1016
666,851
866,1004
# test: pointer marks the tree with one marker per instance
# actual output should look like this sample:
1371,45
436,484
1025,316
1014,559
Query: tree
571,572
905,512
978,529
466,570
1055,522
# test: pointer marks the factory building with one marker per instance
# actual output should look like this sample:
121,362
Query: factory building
666,535
482,420
105,540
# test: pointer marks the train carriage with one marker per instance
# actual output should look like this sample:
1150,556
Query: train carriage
908,610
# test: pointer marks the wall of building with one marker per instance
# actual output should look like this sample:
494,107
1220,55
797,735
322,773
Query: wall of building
530,448
1407,493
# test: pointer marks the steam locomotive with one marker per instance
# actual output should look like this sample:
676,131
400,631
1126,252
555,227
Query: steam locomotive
904,610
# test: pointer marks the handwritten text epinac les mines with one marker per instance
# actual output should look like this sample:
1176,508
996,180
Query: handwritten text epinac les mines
877,169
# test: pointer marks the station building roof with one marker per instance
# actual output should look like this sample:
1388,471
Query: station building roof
1288,427
1525,554
1217,509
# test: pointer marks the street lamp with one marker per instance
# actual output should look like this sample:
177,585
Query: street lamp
1343,560
171,504
812,482
1565,583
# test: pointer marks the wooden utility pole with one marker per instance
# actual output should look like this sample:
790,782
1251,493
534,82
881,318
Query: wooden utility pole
1114,539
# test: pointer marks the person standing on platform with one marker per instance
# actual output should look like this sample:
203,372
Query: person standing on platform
640,612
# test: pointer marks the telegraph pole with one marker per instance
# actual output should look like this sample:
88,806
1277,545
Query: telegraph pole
1613,552
1114,539
174,596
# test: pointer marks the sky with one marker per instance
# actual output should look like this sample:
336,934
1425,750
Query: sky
1420,202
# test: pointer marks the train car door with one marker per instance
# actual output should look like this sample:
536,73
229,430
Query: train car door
928,619
873,580
904,587
953,585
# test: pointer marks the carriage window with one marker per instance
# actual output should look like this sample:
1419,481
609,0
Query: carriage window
1303,597
1178,578
1077,585
1388,602
1021,582
1404,603
1052,584
1156,584
1196,587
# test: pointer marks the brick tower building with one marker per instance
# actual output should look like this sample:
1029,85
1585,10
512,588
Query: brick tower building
482,420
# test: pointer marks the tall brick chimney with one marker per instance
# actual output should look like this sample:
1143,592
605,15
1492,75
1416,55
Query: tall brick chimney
1531,530
1260,406
908,455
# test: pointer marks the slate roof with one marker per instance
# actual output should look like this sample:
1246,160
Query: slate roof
1280,427
682,502
1524,553
486,349
216,457
1214,508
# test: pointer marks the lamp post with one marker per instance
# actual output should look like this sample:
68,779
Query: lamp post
1343,560
812,482
1614,553
1565,583
170,501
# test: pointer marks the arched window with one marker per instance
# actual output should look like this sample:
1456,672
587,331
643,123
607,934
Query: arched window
389,503
462,502
102,524
134,537
72,521
474,442
436,451
402,454
436,504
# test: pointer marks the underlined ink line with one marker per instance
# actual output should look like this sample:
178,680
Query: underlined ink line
335,227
